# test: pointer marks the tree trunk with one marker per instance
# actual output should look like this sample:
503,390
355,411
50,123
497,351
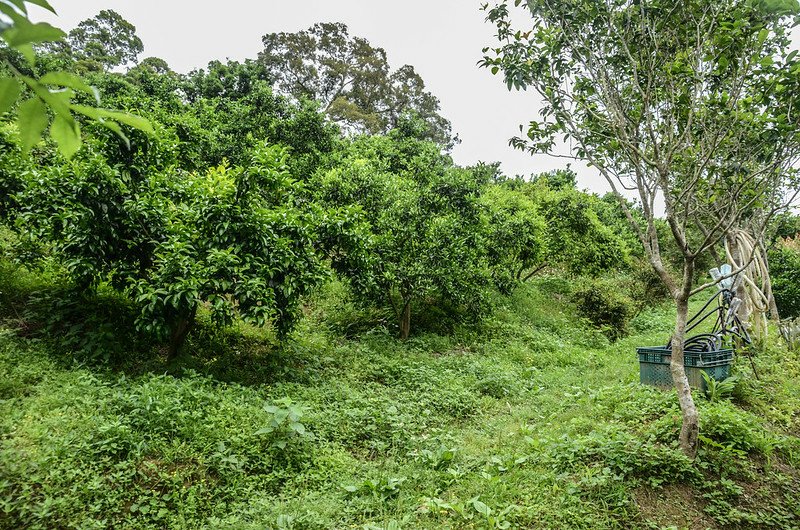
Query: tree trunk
535,271
690,428
773,308
405,320
179,333
738,258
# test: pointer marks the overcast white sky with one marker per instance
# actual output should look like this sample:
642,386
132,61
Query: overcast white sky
442,39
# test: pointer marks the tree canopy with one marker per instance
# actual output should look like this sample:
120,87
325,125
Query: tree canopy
423,220
351,79
105,41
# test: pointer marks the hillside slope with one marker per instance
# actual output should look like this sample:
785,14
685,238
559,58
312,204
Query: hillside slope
530,420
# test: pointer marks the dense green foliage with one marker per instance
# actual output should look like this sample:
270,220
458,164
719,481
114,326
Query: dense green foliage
784,263
423,219
236,241
515,236
605,305
534,421
280,237
168,219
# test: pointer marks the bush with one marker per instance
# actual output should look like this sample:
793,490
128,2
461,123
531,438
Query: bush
91,327
606,306
646,287
784,262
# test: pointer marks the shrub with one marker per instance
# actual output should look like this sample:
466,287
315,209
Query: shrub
12,168
90,326
606,306
646,287
575,238
784,262
238,240
515,236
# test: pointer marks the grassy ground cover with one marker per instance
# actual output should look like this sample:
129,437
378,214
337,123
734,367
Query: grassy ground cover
531,419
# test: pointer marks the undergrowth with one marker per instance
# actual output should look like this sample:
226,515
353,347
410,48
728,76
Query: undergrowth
529,419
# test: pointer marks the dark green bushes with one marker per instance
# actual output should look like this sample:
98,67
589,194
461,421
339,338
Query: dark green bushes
606,306
238,240
784,263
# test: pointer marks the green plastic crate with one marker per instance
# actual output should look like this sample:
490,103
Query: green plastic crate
654,366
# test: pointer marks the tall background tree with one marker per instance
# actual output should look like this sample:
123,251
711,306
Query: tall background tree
105,41
693,102
351,79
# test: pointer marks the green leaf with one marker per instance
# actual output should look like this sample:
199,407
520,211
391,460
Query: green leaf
57,101
12,13
762,36
66,135
27,33
9,92
66,79
480,507
114,126
89,112
20,5
42,3
32,121
27,51
131,120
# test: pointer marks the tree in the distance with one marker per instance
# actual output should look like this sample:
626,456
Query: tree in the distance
352,81
693,102
105,41
515,236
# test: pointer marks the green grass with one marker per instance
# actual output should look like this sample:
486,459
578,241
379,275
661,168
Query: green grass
530,419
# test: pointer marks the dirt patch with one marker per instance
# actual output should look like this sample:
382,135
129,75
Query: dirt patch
675,505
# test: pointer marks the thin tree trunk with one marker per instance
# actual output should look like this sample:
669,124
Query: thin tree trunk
773,307
405,320
741,290
690,428
535,271
179,334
